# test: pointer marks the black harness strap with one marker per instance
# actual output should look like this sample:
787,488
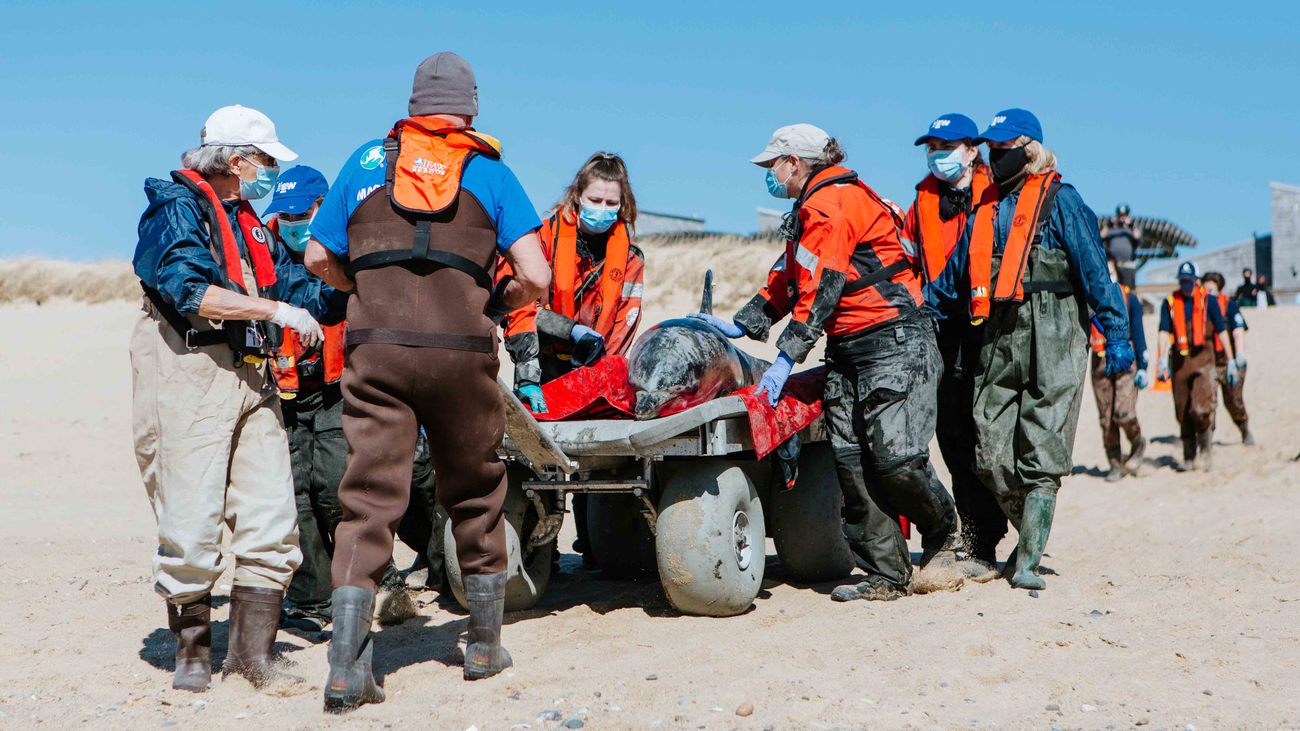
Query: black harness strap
876,277
418,339
193,337
441,259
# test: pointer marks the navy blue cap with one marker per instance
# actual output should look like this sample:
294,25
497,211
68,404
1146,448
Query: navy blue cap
1187,270
1009,124
296,189
950,128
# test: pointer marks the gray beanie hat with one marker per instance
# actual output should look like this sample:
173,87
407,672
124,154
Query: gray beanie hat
444,84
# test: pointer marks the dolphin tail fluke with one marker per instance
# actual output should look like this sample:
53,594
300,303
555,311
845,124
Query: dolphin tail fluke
706,300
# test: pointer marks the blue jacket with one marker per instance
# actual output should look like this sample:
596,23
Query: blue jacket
172,256
1138,336
1072,226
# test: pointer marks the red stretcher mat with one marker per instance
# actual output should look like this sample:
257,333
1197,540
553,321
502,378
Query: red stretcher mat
602,391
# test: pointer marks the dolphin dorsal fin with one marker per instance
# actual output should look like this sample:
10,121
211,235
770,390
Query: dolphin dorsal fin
706,300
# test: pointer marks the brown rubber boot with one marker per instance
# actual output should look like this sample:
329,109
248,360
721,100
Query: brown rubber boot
1205,443
192,625
1116,472
1189,455
486,596
1247,438
254,619
1137,448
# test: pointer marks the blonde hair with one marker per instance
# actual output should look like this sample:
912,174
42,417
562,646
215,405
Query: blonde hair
1041,159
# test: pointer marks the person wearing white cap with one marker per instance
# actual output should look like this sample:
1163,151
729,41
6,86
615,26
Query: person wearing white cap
208,434
847,274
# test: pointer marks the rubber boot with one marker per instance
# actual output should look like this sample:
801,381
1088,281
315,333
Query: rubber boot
351,682
1205,443
1116,472
1035,526
938,570
484,655
875,588
1189,455
1137,448
1247,438
254,619
192,625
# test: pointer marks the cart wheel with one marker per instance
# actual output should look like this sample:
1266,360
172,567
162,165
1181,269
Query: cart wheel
621,541
806,522
528,576
710,544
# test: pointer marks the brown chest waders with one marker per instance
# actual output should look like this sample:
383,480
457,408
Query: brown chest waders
421,352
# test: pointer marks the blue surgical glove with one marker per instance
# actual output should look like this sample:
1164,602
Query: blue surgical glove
588,345
1119,357
1141,380
773,380
1232,373
532,393
730,329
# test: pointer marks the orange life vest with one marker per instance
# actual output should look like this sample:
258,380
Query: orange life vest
1015,255
563,234
1178,314
255,235
292,354
1095,338
1223,310
939,237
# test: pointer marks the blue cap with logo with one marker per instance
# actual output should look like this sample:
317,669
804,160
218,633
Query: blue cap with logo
1187,270
1009,124
950,128
296,190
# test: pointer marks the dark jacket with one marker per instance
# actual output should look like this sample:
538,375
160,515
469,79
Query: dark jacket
172,256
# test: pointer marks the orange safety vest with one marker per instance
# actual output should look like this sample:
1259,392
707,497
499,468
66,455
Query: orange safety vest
939,237
1223,310
255,236
1095,338
563,234
1178,314
291,353
1015,255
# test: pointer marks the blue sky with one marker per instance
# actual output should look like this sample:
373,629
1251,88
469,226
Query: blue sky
1186,110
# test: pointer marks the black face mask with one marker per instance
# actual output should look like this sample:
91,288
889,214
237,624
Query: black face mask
1006,162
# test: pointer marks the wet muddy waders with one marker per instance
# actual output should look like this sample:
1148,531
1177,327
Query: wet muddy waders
1117,413
1195,383
421,353
1027,394
880,404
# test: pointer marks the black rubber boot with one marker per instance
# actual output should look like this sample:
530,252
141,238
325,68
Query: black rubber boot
1035,526
1247,438
192,625
254,619
1189,455
351,682
484,655
1116,472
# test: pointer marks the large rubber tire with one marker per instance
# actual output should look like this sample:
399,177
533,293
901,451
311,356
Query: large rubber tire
621,541
527,579
806,523
710,539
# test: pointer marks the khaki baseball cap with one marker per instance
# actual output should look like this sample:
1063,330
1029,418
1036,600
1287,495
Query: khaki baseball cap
237,125
800,140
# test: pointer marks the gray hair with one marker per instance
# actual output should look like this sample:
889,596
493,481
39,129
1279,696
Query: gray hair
215,159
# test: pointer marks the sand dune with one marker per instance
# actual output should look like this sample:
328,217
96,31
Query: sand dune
1174,599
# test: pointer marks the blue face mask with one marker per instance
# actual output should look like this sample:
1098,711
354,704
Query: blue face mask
947,165
295,233
260,186
774,186
597,220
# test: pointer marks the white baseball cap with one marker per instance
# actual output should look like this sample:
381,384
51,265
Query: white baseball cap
800,140
238,125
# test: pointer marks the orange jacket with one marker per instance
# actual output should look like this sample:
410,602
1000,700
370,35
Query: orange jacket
1178,317
1030,210
292,354
934,237
845,271
605,295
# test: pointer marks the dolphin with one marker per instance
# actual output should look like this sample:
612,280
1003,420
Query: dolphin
683,362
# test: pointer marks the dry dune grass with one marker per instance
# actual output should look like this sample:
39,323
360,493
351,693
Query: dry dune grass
39,281
675,268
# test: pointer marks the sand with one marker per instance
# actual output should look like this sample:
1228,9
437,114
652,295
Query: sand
1175,599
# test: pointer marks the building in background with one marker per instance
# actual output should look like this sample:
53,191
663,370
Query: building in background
650,224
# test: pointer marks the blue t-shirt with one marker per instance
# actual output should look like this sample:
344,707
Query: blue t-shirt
490,181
